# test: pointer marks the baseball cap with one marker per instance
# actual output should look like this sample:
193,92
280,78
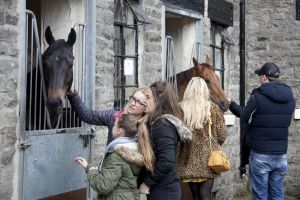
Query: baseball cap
269,69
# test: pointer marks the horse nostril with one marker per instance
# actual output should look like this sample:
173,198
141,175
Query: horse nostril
54,105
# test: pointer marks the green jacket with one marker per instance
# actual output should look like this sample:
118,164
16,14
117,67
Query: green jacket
118,177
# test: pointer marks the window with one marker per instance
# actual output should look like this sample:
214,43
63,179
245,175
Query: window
217,57
219,39
297,9
128,14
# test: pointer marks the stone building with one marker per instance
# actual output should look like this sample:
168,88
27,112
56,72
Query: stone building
195,28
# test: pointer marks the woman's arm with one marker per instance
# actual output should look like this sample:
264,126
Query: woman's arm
96,117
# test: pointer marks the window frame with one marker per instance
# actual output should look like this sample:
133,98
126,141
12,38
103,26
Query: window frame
221,69
120,85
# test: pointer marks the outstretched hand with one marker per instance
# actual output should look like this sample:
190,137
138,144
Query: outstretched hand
81,161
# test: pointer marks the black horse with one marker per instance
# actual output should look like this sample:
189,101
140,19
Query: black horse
57,70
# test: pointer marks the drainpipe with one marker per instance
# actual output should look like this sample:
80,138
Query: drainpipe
242,77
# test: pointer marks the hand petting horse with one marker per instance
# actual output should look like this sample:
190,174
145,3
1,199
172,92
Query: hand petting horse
205,71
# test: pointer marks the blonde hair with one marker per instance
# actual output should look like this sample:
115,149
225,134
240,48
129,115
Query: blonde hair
144,143
196,103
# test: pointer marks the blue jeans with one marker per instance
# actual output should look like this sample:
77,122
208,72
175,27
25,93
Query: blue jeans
267,172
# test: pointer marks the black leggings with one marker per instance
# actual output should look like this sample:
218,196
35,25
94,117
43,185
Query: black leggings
202,190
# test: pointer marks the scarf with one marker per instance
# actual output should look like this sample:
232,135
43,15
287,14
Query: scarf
110,147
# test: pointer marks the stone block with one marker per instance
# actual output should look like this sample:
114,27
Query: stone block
6,156
8,35
11,19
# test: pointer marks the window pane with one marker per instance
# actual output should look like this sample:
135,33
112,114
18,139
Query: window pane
117,41
128,93
218,38
129,37
218,59
117,72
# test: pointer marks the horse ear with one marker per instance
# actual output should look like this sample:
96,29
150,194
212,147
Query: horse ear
72,37
49,37
195,61
207,60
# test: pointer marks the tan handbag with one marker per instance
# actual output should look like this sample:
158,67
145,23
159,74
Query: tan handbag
218,161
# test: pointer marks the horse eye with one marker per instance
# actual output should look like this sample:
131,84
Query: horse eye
207,81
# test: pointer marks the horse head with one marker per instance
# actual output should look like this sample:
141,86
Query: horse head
58,72
206,71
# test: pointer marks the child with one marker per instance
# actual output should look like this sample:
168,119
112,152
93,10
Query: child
116,177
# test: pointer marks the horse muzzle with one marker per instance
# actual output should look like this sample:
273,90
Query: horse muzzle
224,105
54,105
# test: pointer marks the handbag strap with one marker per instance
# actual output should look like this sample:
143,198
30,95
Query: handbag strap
209,132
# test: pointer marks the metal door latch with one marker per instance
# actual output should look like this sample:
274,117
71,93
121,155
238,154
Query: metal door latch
24,145
86,137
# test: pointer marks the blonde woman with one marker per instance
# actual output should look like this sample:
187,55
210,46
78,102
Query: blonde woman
198,113
135,106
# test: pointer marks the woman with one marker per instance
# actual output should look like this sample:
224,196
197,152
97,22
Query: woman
166,131
199,113
135,106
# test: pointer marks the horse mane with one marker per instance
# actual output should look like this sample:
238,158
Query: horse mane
185,75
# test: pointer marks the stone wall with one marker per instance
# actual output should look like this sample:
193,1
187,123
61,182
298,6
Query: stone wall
9,55
150,48
273,35
104,69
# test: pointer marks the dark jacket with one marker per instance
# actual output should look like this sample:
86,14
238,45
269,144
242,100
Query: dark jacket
268,113
96,117
118,176
165,134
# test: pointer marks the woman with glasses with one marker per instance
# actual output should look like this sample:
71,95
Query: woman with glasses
135,106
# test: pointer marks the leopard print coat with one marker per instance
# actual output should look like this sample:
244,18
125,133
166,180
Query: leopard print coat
196,166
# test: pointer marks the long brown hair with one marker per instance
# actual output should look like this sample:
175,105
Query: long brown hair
144,144
165,99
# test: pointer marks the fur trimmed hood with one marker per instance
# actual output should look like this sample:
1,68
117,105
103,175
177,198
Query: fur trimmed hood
130,153
185,134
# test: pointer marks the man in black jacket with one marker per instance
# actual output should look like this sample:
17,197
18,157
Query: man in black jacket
268,113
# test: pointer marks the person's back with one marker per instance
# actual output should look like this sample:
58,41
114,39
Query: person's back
268,133
268,113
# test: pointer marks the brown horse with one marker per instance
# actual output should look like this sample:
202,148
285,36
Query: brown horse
205,71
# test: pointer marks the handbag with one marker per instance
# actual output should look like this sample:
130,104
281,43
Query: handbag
218,161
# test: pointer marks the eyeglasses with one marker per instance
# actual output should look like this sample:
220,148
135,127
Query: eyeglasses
136,102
